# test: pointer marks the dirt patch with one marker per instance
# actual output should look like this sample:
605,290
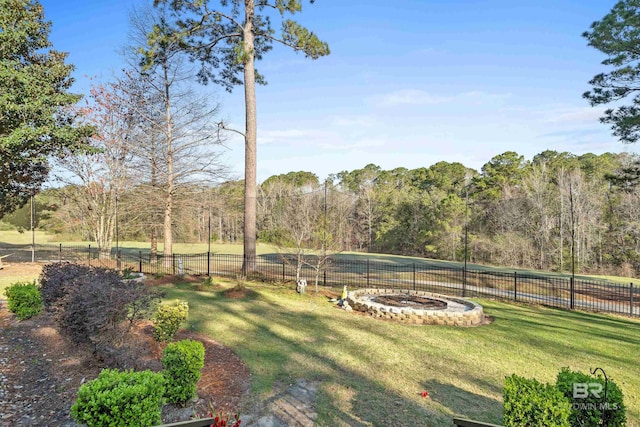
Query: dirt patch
412,301
165,280
40,373
23,269
240,292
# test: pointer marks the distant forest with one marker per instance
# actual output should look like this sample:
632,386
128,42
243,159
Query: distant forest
518,213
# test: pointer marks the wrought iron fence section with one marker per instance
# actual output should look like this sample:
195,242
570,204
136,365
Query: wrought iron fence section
336,271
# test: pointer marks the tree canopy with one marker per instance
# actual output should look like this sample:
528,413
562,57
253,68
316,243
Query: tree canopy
617,35
36,120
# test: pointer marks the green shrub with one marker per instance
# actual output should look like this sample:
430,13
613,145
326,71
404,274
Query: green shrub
589,409
168,319
207,284
24,299
120,398
528,402
182,362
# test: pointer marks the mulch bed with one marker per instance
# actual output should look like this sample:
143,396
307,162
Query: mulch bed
40,372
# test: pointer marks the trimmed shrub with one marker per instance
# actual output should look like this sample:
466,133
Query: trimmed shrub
91,305
24,299
56,278
120,398
528,402
588,408
182,362
168,319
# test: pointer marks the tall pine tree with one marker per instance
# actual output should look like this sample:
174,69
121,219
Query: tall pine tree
617,35
227,39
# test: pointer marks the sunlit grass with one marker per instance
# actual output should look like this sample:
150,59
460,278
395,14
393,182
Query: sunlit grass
381,367
16,238
13,273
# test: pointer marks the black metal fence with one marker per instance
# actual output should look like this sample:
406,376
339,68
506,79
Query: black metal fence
550,290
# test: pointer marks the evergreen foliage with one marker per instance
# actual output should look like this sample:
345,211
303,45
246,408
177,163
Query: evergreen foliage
120,398
37,117
182,362
24,299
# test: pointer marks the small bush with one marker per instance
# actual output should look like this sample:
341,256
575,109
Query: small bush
207,284
91,304
24,299
528,402
182,362
127,273
92,309
56,278
591,409
168,319
120,398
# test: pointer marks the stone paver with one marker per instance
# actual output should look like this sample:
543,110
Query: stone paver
294,407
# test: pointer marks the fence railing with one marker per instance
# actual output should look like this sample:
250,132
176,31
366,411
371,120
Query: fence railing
550,290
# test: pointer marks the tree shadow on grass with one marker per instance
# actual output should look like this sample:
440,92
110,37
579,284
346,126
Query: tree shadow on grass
282,346
464,403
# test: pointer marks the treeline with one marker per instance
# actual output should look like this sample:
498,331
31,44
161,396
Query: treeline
547,213
554,212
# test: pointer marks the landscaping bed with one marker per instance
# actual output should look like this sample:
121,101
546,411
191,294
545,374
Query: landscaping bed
40,372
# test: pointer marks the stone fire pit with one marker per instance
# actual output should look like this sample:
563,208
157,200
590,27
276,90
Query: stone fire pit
416,307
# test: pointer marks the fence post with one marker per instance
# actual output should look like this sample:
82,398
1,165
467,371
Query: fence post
515,286
89,262
173,264
139,261
414,276
324,279
464,282
283,270
208,263
60,252
367,273
572,293
631,299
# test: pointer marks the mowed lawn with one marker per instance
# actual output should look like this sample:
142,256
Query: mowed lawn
371,372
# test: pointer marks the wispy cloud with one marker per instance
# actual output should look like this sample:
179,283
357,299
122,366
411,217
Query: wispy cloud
409,97
421,97
323,139
281,135
572,133
361,121
482,97
576,115
363,143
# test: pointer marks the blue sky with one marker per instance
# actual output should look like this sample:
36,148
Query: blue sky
408,83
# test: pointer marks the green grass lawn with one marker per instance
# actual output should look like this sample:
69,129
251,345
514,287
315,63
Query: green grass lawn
371,372
24,238
26,274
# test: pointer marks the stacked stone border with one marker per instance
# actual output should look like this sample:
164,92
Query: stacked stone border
473,316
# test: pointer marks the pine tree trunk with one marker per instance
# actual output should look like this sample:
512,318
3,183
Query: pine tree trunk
168,210
249,263
154,230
